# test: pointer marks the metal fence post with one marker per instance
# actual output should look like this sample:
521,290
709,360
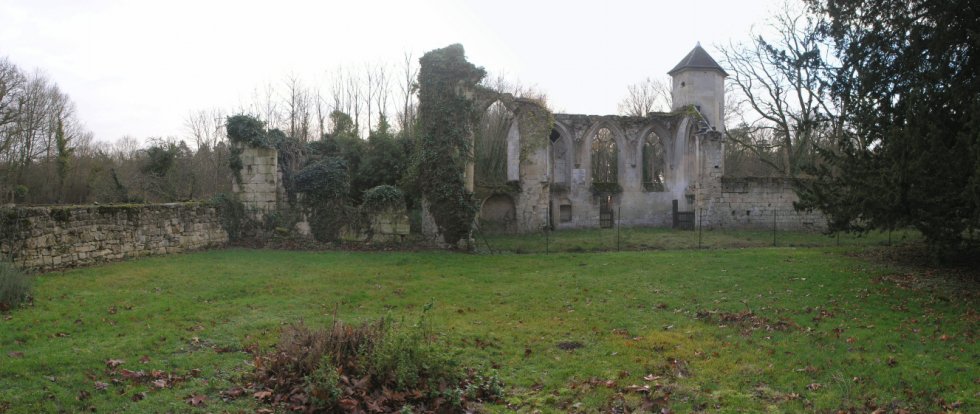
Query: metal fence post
774,227
619,221
700,226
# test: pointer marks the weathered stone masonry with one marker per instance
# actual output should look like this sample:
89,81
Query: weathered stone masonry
53,238
550,180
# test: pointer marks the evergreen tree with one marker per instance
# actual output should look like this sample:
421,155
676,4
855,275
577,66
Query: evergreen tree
64,155
910,79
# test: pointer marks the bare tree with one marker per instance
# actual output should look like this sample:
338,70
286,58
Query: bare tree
297,108
382,89
322,112
408,86
206,127
264,105
649,95
781,81
369,78
354,96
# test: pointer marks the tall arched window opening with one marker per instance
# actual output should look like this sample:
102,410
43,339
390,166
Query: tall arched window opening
605,158
490,146
654,163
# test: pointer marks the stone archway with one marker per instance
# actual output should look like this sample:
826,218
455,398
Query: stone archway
498,214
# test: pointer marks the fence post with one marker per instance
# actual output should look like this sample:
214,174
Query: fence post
619,221
700,226
547,240
773,227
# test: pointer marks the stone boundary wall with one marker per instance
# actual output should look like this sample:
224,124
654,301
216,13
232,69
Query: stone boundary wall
59,237
759,202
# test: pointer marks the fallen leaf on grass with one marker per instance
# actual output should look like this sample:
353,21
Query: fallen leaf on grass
83,395
15,354
651,377
233,393
112,363
133,375
262,395
196,400
814,386
160,383
144,359
139,396
101,386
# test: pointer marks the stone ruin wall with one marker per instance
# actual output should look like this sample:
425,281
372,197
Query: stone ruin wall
55,238
261,192
758,203
259,187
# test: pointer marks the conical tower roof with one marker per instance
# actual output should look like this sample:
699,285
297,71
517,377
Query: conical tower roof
697,59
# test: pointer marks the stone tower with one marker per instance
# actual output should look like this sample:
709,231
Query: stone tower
700,81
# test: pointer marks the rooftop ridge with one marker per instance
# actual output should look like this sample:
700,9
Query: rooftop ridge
698,58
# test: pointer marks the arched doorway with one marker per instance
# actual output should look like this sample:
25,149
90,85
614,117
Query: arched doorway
498,214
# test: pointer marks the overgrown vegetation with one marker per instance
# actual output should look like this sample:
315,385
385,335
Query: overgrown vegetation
383,197
372,367
446,117
234,219
326,186
15,286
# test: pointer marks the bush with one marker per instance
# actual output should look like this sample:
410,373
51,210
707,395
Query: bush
234,219
408,360
15,286
383,197
374,367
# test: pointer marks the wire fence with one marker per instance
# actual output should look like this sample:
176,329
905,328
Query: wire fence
623,238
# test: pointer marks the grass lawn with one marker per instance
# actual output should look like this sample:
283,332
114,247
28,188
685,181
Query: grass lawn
740,330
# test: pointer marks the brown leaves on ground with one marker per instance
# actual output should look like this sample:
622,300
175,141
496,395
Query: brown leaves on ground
196,400
154,379
652,397
746,320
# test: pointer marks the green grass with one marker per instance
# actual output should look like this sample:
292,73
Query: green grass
878,343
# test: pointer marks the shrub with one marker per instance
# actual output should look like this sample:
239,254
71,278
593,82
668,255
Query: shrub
374,367
15,286
326,184
234,219
383,197
408,360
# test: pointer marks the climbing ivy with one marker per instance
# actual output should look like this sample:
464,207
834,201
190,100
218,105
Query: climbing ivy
535,123
247,130
326,186
383,197
446,118
244,130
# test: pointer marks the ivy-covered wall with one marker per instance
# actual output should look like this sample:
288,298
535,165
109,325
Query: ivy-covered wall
448,110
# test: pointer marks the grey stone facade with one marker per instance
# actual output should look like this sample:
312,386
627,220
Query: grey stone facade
551,183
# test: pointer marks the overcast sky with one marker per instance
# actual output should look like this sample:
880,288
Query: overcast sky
139,67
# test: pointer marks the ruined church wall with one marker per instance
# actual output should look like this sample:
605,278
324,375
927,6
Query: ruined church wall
54,238
759,203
